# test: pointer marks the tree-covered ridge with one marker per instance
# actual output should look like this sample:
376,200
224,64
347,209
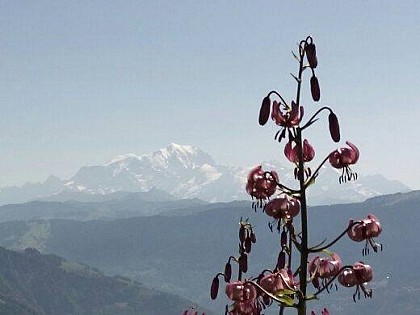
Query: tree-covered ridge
37,284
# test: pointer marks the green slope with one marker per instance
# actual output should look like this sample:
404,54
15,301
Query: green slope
32,283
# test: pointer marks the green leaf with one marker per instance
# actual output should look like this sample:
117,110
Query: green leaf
285,299
285,292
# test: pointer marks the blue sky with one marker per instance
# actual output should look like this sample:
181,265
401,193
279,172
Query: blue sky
84,81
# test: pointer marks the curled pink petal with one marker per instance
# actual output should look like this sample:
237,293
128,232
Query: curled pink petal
260,184
344,157
282,207
292,154
288,118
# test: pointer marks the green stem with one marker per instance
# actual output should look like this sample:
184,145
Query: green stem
301,306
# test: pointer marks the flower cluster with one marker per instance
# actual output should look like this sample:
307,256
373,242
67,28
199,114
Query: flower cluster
315,264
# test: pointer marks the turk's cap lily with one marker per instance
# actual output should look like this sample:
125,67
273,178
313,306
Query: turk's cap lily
365,229
261,185
325,267
275,282
359,274
292,154
238,291
289,118
282,207
323,312
345,156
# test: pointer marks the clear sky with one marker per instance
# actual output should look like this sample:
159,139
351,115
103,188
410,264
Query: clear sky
84,81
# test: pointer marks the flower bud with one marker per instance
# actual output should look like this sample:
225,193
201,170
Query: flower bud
310,50
315,91
266,299
228,272
283,239
242,233
264,111
334,127
214,288
248,245
243,263
253,238
281,260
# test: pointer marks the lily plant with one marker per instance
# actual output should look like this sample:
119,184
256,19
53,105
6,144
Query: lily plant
316,268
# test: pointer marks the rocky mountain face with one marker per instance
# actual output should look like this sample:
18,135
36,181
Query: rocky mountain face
187,172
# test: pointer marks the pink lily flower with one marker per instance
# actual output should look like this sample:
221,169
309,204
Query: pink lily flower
343,158
291,152
261,185
289,118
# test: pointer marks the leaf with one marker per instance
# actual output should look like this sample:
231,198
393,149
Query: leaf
285,299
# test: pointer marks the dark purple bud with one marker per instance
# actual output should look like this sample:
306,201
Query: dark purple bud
253,238
214,288
264,111
243,263
310,50
315,91
281,260
185,312
334,127
315,282
242,233
283,239
266,299
228,272
248,245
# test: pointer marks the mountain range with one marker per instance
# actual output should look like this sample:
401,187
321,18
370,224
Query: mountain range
180,251
183,171
36,284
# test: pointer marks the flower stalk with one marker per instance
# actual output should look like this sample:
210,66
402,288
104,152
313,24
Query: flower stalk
250,296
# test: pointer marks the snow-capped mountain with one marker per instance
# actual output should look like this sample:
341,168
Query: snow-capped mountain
183,171
187,172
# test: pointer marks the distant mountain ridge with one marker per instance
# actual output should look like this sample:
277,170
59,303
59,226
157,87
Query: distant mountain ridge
184,171
181,254
36,284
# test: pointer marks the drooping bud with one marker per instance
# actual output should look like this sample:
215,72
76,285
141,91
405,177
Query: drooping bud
242,233
243,263
248,245
334,127
266,299
253,238
214,288
264,111
281,260
310,50
315,282
283,239
228,272
315,91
